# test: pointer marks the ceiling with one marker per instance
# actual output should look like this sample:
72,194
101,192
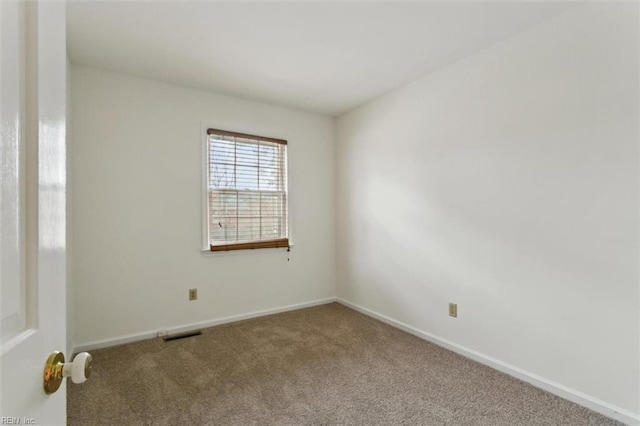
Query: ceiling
323,57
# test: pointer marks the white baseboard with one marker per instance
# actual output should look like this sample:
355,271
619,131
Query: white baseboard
195,326
572,395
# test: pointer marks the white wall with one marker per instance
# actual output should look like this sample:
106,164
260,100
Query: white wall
507,183
136,208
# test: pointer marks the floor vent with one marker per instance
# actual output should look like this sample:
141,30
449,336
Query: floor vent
182,335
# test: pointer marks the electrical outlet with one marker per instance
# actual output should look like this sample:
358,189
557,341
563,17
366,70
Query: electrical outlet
453,310
193,294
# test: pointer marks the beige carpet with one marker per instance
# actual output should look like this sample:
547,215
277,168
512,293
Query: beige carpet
327,365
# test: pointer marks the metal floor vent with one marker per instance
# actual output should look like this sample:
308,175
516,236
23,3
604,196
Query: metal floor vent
182,335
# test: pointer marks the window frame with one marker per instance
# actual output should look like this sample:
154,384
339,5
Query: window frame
250,247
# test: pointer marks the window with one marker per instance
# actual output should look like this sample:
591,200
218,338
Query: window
247,191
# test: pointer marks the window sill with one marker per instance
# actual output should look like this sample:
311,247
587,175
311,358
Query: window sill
208,253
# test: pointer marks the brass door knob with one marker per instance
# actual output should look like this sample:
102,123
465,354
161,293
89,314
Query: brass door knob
56,369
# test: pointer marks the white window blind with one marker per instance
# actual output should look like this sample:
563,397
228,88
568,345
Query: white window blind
247,191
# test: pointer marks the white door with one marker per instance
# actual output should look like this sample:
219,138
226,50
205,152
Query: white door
32,207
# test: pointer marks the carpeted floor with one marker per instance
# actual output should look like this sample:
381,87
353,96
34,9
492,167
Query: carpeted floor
327,365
